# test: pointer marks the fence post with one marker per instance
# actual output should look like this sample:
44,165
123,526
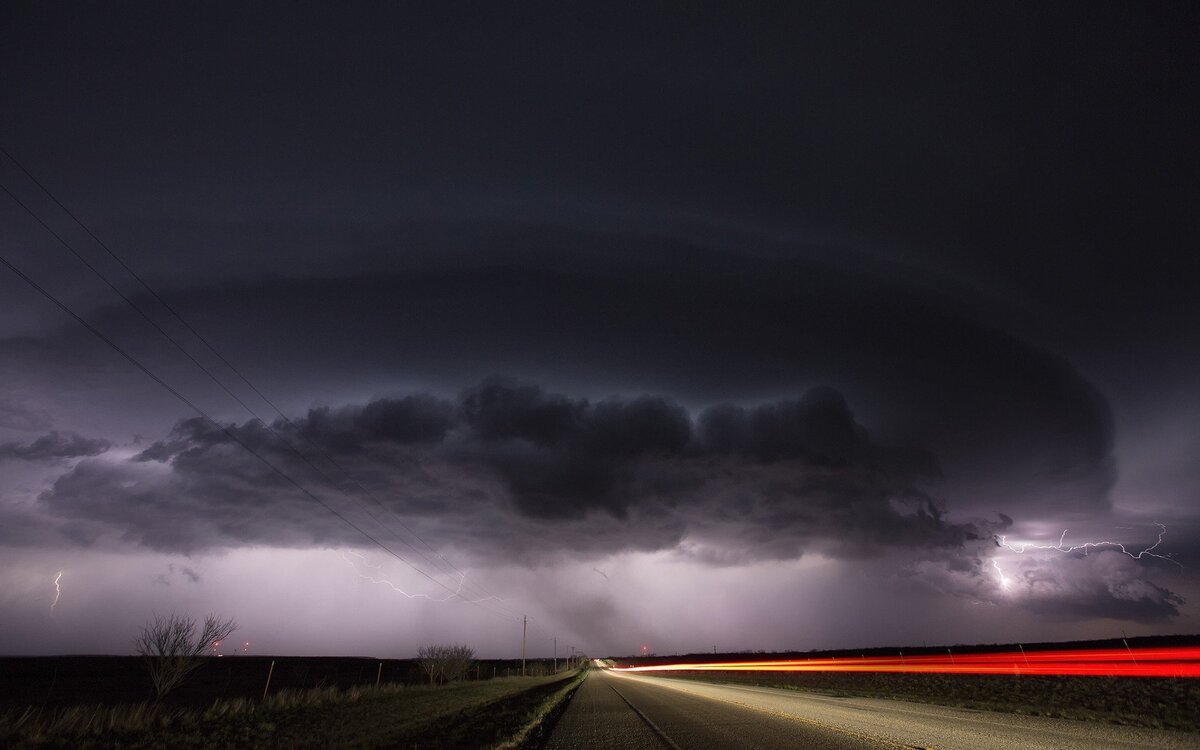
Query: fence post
270,672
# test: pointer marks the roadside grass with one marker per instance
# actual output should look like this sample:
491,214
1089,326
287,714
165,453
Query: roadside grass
543,716
1159,703
474,714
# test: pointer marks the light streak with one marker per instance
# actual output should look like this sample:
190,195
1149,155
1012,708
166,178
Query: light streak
1140,662
57,590
456,593
1021,547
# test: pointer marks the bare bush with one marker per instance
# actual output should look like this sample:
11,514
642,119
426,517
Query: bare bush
445,663
458,658
173,649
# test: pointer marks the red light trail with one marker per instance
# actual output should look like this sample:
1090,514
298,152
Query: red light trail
1138,662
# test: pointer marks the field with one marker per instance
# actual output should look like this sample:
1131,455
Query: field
49,681
84,713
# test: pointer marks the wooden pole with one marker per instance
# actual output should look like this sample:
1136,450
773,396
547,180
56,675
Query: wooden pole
379,674
270,672
1125,640
524,628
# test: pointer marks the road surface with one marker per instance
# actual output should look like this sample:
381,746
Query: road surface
615,710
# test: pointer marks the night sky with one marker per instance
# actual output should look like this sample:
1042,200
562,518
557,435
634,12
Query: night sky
669,325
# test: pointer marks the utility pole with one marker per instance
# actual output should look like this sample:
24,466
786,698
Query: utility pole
1125,640
556,656
524,628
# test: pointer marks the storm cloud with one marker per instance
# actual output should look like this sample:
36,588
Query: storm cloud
1102,583
768,481
1015,426
509,472
1105,584
808,301
54,445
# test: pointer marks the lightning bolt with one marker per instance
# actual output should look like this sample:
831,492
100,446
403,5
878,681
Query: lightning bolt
1000,573
457,593
57,590
1020,547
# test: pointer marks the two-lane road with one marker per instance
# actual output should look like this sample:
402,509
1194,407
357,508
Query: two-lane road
614,710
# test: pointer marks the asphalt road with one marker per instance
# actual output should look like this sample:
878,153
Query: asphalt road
615,710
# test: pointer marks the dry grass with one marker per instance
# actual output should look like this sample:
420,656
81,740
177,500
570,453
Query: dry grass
540,713
319,717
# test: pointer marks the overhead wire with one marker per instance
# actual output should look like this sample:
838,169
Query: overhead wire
509,613
445,563
183,350
207,344
203,414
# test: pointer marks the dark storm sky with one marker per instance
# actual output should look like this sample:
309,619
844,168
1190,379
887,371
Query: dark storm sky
739,306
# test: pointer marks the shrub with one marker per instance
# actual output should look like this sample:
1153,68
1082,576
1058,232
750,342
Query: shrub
445,663
173,649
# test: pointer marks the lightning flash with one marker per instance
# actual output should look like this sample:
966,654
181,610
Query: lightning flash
456,593
57,590
1000,574
1086,546
1021,548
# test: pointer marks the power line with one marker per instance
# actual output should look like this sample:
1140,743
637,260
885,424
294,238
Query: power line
470,587
329,458
183,321
184,399
487,596
183,350
203,414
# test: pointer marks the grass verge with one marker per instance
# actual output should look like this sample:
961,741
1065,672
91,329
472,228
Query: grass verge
534,731
1160,703
465,714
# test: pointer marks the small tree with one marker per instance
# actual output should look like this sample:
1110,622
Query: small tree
458,658
445,663
173,649
430,659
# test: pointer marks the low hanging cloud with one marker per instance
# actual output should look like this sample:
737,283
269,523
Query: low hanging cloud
54,445
507,461
1015,427
1065,585
1104,584
176,573
508,472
